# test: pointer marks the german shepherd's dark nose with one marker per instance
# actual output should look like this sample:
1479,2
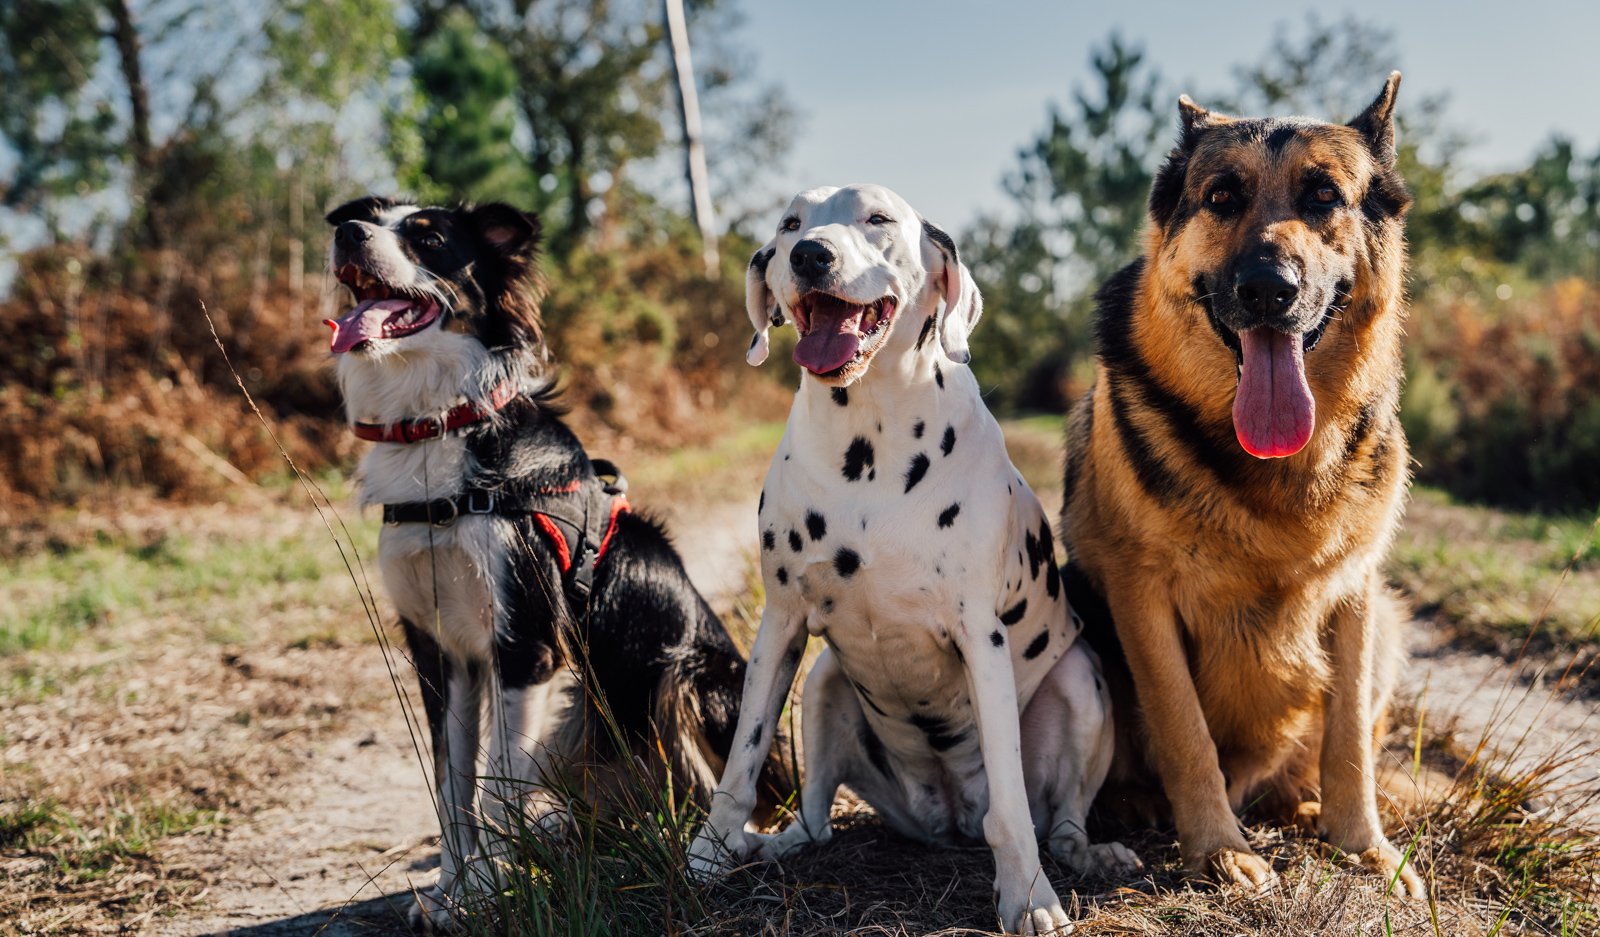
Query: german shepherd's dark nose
1266,290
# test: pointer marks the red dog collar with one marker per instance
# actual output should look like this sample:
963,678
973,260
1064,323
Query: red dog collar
433,427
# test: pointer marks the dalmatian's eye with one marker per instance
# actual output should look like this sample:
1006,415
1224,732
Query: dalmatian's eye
791,223
879,217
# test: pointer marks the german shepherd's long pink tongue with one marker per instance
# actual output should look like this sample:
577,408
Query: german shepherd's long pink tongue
363,323
1273,410
834,336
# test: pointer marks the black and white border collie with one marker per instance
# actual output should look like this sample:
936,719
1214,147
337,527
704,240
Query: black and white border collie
486,552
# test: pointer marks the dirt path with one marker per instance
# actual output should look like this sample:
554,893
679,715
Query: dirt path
357,834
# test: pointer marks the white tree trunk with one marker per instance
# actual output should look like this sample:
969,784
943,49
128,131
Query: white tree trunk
694,146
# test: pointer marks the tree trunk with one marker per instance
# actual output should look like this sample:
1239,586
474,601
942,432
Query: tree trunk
693,145
125,35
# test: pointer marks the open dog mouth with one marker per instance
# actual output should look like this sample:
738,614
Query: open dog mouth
1274,412
834,331
381,311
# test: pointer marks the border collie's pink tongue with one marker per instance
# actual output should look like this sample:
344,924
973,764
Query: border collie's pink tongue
363,323
1273,411
834,336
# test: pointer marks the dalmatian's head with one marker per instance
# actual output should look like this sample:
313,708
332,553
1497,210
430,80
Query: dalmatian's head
846,265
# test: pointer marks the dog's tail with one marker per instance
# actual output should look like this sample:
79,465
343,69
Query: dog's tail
697,715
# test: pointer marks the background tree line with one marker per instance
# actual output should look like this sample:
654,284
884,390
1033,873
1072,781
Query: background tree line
157,155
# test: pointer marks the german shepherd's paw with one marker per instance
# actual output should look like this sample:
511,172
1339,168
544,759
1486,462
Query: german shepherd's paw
1387,861
1240,867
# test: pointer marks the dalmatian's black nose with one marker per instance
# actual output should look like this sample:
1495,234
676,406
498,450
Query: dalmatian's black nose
812,258
351,233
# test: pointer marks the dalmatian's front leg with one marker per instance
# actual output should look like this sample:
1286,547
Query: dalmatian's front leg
1027,903
723,840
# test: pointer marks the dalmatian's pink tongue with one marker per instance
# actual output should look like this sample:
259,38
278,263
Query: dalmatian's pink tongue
363,323
1273,411
834,336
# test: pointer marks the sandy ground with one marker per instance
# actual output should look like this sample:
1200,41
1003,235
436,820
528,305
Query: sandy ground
355,833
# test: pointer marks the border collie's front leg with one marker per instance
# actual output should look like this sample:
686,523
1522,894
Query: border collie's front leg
1027,902
450,697
774,659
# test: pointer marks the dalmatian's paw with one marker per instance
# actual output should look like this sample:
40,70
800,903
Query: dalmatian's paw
1112,861
715,852
795,837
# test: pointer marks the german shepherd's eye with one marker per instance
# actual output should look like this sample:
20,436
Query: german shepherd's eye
430,241
1225,197
1323,196
879,217
791,223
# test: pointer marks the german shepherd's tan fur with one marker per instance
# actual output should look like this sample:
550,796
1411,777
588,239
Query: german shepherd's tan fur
1247,594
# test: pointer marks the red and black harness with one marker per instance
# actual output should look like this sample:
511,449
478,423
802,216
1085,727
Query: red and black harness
578,518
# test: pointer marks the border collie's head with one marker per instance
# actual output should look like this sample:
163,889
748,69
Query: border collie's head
416,272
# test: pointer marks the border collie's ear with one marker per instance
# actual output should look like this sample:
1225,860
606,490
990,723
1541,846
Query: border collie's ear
362,209
758,303
1376,123
511,232
963,304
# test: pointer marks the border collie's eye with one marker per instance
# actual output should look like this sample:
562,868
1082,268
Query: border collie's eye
431,241
791,223
879,217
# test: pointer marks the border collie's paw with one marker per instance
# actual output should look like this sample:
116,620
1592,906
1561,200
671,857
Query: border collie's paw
433,912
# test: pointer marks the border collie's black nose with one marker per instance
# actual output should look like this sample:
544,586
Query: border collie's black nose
351,233
1266,291
812,258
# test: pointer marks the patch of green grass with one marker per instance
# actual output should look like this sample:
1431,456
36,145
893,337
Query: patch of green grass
85,849
1492,574
698,471
52,599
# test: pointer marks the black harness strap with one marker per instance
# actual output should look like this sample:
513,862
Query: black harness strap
579,522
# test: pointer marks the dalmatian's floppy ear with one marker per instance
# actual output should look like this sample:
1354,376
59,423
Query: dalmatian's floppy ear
963,304
758,302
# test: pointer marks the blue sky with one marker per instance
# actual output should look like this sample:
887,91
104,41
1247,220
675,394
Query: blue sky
934,98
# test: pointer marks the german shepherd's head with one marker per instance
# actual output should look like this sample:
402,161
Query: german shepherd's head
1276,231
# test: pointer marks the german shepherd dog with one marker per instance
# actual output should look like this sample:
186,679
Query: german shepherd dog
524,584
1235,477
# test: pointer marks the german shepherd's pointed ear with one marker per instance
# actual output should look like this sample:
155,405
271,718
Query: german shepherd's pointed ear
363,209
963,304
759,305
513,234
1376,123
1167,189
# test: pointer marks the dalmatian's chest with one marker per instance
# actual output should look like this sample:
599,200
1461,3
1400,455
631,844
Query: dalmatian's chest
877,542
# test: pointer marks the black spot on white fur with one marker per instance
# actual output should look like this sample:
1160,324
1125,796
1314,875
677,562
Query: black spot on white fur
998,639
917,469
1037,645
938,375
917,428
755,735
846,562
948,444
948,515
927,329
1014,614
794,540
841,396
783,576
857,457
816,526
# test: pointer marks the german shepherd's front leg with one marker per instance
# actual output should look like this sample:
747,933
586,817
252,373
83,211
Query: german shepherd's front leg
1349,817
1186,757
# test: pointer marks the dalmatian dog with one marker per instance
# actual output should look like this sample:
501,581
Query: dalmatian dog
953,694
